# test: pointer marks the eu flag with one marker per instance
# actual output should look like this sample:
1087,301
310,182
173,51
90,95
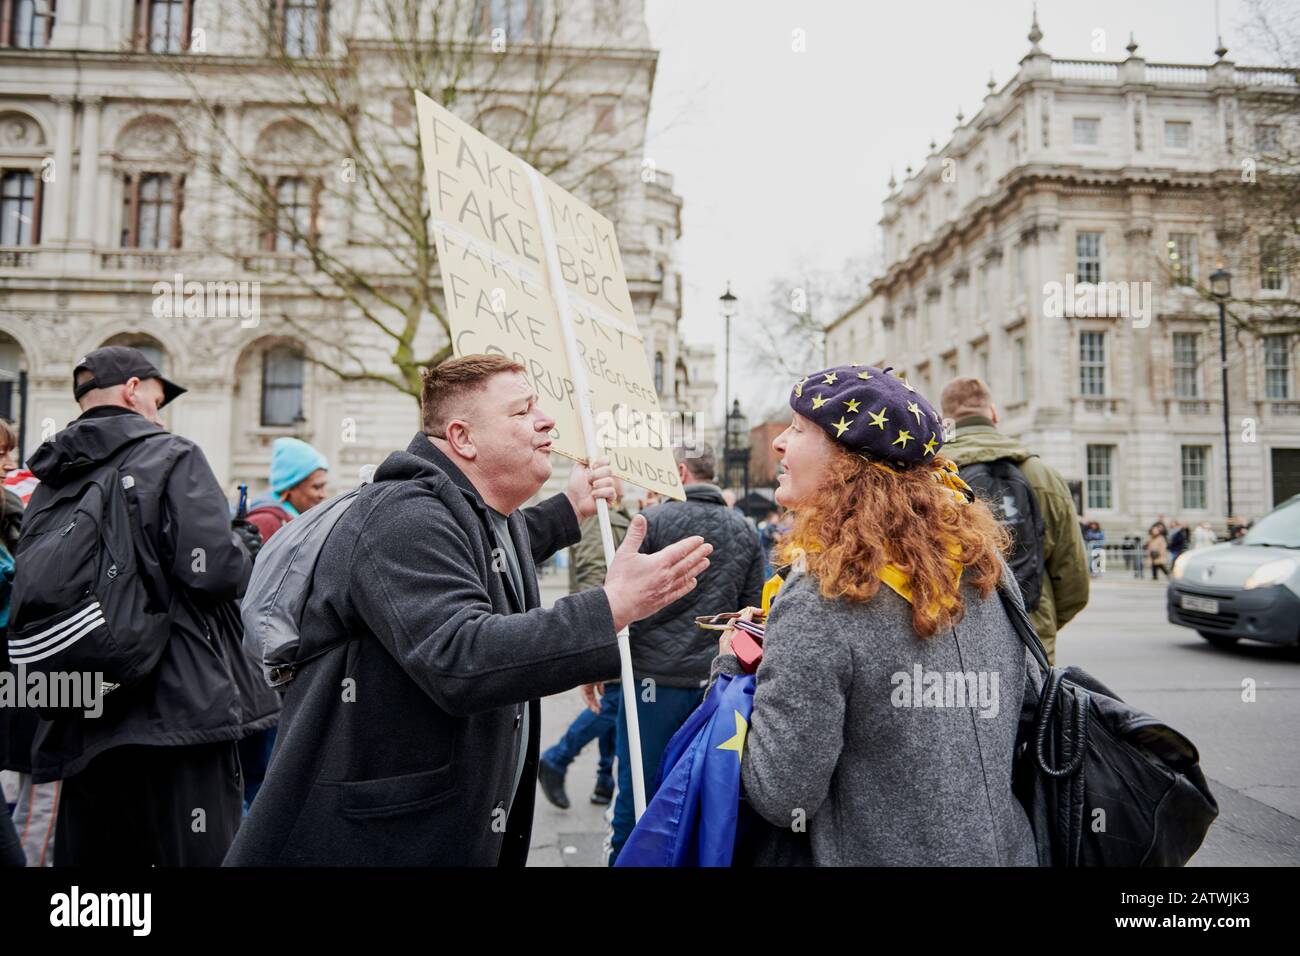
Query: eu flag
692,818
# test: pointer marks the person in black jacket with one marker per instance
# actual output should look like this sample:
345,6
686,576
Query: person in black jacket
155,778
671,654
410,731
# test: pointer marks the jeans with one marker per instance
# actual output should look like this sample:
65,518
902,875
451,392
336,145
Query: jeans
659,720
585,728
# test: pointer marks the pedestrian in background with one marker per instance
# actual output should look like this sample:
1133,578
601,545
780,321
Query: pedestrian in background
670,653
299,480
1157,550
164,746
1203,536
1061,562
600,715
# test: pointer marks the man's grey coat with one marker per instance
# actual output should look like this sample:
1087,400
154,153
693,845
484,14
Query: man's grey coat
398,746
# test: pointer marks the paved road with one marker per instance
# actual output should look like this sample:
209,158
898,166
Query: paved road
1250,750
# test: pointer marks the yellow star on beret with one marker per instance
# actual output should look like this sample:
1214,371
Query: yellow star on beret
852,404
818,401
842,426
903,438
930,445
915,409
864,375
878,418
830,378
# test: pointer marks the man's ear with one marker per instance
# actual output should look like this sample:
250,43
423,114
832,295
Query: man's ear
993,414
459,439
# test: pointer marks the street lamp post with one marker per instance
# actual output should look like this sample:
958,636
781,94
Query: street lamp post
737,446
1221,289
726,308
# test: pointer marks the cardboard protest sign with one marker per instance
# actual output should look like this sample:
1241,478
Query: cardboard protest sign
489,236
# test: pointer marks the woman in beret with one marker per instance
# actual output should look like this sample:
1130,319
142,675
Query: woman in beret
889,693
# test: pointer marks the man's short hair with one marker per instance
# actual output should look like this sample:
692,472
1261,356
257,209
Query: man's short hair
966,396
8,437
446,386
698,458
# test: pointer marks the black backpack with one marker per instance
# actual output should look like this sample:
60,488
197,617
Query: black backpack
1007,491
1102,782
81,603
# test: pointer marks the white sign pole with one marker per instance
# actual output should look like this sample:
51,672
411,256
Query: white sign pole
583,393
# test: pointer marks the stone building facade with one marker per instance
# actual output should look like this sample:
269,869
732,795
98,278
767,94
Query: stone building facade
1059,247
108,205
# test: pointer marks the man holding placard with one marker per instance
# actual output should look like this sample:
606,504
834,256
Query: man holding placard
411,738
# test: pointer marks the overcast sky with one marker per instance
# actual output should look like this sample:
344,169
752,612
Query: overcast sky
782,155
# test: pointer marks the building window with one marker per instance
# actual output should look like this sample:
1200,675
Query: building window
1087,131
1277,366
982,363
11,363
282,376
1013,149
1178,134
1187,372
1194,473
516,18
1087,257
1019,255
1182,258
301,26
1100,476
1092,363
1022,370
151,218
163,26
605,119
20,208
982,289
659,373
1272,264
296,202
27,24
1268,139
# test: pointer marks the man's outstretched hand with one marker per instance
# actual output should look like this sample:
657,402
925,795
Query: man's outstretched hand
637,585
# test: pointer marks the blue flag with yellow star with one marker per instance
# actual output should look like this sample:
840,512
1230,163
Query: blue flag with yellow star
693,817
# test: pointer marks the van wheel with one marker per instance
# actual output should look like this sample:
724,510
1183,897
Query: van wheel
1219,640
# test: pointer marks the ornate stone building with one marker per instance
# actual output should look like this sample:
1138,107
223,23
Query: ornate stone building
1059,245
117,174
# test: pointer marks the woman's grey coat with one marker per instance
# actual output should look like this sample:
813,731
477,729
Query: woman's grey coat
836,737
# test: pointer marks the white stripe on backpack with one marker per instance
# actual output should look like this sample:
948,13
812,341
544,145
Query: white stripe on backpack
60,637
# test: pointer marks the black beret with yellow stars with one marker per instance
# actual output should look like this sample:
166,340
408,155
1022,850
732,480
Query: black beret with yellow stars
871,411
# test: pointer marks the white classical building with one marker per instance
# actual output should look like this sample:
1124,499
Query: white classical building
105,192
1110,174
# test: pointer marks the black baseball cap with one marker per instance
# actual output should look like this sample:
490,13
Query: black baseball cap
114,365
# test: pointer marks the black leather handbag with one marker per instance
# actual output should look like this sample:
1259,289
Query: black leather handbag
1103,783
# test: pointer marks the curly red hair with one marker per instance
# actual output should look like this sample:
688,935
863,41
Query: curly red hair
865,516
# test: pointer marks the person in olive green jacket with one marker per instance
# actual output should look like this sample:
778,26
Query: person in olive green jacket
599,721
968,402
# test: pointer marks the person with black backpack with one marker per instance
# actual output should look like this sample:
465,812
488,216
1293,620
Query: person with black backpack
1030,499
129,574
